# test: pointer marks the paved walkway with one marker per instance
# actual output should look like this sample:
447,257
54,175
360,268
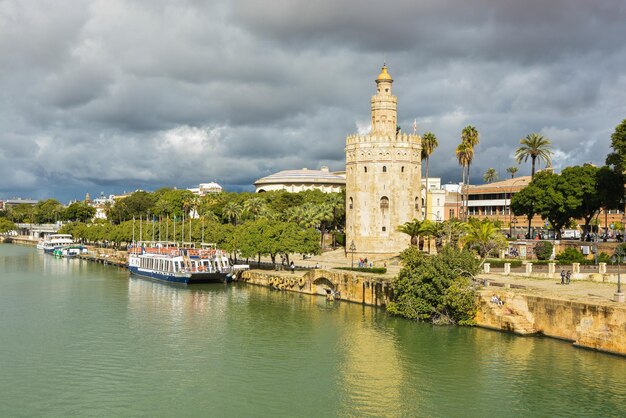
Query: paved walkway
576,290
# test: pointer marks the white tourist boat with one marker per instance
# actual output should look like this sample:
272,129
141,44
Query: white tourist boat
53,241
182,265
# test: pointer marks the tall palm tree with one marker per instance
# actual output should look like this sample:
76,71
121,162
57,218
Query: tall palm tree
512,170
471,137
429,144
464,154
491,175
535,147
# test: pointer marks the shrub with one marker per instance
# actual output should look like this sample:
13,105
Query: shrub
543,250
437,288
498,262
570,255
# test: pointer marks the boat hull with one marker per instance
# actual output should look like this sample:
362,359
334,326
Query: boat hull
182,278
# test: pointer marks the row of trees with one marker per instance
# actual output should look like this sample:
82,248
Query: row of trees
260,237
481,236
577,193
49,211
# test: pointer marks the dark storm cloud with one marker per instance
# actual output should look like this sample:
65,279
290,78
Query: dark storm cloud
122,94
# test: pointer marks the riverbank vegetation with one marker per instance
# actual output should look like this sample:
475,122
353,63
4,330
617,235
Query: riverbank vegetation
437,289
246,224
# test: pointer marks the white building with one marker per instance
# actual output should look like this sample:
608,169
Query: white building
295,181
206,188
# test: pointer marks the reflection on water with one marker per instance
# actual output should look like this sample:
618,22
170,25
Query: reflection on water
81,339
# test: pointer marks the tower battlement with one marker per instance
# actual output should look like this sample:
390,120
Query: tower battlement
377,138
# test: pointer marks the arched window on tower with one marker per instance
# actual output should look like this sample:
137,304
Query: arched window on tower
384,203
351,203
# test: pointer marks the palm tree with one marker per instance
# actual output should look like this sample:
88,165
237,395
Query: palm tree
535,147
484,237
491,175
415,229
232,211
464,154
512,170
254,206
429,144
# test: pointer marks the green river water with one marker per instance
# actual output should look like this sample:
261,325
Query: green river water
81,339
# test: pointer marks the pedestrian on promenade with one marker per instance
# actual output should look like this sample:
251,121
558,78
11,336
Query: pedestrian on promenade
562,276
292,267
568,276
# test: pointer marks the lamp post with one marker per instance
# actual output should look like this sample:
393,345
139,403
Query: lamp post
352,250
619,255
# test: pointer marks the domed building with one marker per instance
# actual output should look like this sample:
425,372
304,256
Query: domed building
295,181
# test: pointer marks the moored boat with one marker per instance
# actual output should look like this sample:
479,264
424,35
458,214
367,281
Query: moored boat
181,265
69,250
55,241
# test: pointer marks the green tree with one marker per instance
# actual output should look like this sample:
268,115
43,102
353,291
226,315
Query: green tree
512,171
484,237
535,147
232,212
416,230
490,175
464,155
254,207
617,158
79,211
429,144
21,213
48,211
6,225
437,288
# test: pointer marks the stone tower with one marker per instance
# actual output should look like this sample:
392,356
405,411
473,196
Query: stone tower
383,178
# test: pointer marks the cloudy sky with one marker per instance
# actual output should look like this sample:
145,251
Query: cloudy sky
115,95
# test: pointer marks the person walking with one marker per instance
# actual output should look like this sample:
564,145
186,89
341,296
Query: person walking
292,267
562,276
568,276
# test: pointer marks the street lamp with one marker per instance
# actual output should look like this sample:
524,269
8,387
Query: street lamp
619,255
352,250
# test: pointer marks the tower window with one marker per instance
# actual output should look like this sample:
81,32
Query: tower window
384,169
384,202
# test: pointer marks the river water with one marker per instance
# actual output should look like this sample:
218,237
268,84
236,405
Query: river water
82,339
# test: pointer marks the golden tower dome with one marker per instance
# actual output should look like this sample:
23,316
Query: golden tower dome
384,75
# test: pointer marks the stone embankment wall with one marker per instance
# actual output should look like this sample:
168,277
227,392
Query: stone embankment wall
599,326
367,289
